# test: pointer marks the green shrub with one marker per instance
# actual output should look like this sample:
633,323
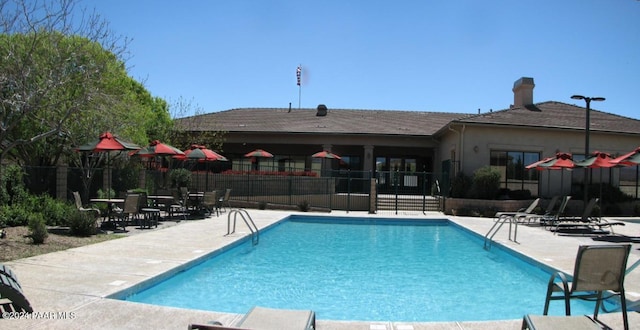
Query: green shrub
636,209
83,223
610,210
520,194
607,193
262,205
303,206
37,228
103,194
12,189
460,186
55,212
180,177
16,215
486,183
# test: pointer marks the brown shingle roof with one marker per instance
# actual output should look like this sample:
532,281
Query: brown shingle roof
556,115
392,122
337,121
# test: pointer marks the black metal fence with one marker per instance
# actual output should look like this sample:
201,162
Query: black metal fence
408,191
331,189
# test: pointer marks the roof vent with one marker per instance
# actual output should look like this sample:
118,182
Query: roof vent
322,110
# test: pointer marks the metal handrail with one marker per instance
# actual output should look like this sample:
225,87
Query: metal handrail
255,233
488,238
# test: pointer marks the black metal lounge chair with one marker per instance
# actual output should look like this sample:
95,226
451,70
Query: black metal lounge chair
521,212
552,219
548,212
586,222
598,269
11,297
268,319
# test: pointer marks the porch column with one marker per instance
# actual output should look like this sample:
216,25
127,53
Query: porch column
326,163
61,182
368,161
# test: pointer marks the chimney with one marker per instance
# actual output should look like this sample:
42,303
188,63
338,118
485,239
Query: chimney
322,110
523,92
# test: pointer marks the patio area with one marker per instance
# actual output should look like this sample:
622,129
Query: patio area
70,288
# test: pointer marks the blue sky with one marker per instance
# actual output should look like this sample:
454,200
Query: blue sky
443,56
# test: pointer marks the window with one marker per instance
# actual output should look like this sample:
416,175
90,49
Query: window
513,174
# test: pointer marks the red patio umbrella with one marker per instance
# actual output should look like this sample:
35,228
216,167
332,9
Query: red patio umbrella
325,154
106,143
561,161
629,159
157,148
536,165
597,160
259,153
202,154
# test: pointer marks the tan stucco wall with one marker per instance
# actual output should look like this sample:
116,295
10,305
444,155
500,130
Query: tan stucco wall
545,141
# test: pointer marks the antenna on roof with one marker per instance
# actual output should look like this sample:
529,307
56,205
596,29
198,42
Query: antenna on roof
289,107
478,110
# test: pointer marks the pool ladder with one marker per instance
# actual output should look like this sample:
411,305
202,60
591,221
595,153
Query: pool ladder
488,238
255,233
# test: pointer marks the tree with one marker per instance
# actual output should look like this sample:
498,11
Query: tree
188,130
49,72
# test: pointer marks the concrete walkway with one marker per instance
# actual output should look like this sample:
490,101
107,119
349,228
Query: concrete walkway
70,288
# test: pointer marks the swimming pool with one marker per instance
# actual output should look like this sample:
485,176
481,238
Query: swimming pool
364,269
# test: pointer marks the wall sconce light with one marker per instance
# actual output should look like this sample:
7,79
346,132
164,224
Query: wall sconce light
476,149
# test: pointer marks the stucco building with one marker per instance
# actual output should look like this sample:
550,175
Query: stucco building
443,144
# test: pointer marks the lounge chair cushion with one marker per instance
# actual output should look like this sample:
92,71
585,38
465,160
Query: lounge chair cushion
278,319
539,322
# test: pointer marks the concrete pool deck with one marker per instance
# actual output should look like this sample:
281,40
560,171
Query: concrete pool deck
70,288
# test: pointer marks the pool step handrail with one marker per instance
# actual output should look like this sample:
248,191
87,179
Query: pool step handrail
488,238
246,217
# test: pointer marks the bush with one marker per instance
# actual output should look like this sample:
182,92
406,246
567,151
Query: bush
12,189
37,228
607,193
103,194
83,223
262,205
56,213
636,209
460,186
303,206
14,216
180,177
520,194
486,183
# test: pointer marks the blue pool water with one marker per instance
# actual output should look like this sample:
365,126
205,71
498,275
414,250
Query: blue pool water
364,269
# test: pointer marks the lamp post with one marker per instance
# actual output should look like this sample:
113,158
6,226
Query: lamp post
586,139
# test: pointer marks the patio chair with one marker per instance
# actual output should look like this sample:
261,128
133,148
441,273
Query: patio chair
12,298
78,201
269,319
210,202
598,268
150,215
223,201
179,204
129,211
520,213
